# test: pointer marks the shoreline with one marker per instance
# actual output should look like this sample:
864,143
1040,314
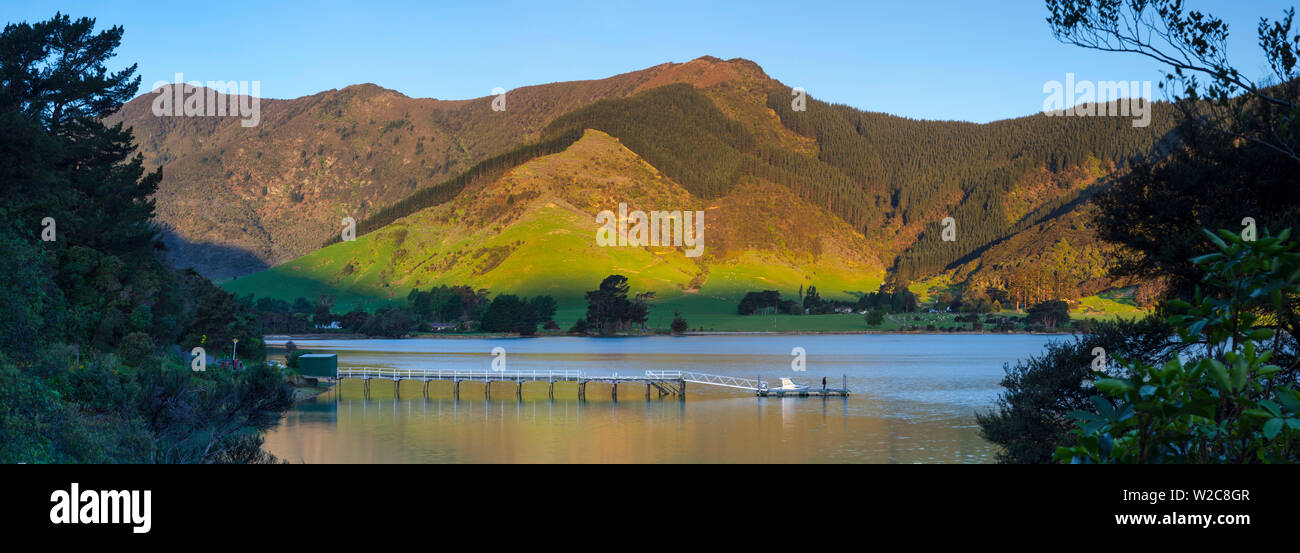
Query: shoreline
305,393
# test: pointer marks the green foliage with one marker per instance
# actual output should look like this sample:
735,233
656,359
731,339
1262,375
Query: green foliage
291,358
1031,415
137,349
421,305
1215,96
906,171
393,322
323,310
675,128
59,160
889,298
31,307
448,303
765,302
609,310
100,414
510,313
1230,406
205,417
543,308
275,317
82,375
1236,156
811,299
679,324
38,425
1051,314
1212,182
875,317
356,320
982,300
769,302
219,318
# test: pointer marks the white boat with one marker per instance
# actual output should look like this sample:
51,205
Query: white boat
789,385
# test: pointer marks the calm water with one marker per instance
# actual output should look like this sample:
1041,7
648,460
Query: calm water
914,400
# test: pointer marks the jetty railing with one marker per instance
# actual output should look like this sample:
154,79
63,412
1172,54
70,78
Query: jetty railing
666,382
456,374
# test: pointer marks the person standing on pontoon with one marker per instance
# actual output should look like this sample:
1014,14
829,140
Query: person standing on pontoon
823,384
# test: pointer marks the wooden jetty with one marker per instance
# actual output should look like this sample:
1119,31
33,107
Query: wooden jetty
664,383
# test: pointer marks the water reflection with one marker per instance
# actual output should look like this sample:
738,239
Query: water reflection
915,397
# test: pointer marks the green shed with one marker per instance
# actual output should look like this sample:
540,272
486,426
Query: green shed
318,364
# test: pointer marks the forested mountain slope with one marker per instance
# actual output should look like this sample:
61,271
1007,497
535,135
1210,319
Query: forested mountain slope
532,230
237,200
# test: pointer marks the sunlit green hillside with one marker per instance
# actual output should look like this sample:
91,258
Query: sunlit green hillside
533,232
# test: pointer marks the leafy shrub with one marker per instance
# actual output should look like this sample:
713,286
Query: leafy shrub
291,359
679,324
1230,406
1031,415
136,349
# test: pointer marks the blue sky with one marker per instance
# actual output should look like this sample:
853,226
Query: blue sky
976,60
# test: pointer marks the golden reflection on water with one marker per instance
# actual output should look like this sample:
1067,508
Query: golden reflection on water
349,428
914,401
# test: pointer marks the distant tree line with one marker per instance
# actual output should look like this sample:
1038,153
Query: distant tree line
767,302
461,307
511,313
446,304
889,299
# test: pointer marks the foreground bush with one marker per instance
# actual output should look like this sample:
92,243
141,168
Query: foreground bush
1228,406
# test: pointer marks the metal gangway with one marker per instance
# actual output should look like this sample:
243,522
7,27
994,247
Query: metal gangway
710,379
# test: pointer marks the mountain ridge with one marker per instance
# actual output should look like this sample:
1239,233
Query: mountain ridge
218,190
709,125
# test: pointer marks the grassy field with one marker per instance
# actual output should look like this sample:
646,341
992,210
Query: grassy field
1109,305
555,261
709,314
713,308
